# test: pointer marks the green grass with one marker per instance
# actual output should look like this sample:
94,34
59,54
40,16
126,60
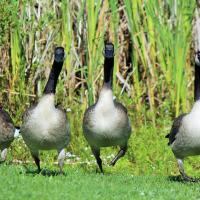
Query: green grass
144,172
152,54
78,183
148,153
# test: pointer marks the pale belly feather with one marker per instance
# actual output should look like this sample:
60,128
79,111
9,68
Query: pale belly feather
107,130
188,139
46,130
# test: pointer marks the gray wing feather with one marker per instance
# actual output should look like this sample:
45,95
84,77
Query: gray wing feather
87,114
123,109
6,129
175,128
5,116
120,107
27,113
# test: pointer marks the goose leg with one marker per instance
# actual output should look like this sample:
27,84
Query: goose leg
3,154
96,152
35,156
182,171
120,154
61,158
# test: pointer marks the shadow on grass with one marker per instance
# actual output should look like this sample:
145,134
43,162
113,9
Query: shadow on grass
43,172
2,162
176,179
94,170
181,180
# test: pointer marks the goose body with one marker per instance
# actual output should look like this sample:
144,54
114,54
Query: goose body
46,127
187,139
106,123
7,133
184,137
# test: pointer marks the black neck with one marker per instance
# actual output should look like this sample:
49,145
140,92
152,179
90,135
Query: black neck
53,78
197,83
108,71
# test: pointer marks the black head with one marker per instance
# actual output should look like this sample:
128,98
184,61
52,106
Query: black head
59,54
109,50
108,63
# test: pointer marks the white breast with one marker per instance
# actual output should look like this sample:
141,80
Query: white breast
46,126
188,140
105,120
191,122
105,115
44,116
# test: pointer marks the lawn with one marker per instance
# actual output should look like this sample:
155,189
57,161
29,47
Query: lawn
153,78
148,171
77,183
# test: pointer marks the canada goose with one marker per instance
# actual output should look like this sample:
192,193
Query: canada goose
7,133
184,137
106,123
44,126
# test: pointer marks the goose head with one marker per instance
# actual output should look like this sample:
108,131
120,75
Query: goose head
59,54
109,50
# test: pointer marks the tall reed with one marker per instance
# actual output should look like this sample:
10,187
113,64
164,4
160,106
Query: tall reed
156,72
161,35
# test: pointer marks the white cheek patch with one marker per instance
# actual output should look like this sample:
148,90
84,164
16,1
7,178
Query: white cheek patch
17,133
197,62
